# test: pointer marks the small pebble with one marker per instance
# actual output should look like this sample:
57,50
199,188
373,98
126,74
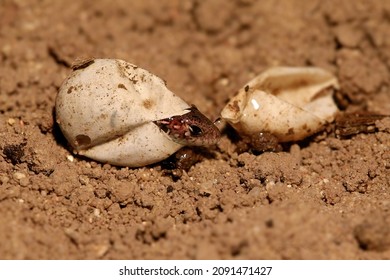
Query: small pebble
21,178
255,192
84,180
24,182
96,212
224,81
19,175
11,121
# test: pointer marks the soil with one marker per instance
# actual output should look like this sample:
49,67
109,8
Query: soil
321,198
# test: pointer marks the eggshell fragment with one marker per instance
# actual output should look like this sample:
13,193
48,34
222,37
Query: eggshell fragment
289,102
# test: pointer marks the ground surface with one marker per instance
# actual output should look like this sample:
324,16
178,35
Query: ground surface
324,198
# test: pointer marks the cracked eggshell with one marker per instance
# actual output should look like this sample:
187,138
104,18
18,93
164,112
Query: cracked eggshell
289,102
106,109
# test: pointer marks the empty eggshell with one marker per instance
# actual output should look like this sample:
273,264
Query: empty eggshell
108,110
288,102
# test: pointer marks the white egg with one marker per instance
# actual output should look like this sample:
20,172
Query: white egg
291,103
116,112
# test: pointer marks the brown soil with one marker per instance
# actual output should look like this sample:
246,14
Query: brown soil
324,198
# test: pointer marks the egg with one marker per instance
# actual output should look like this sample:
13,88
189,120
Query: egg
116,112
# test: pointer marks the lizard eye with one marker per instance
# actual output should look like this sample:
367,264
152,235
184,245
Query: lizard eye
195,130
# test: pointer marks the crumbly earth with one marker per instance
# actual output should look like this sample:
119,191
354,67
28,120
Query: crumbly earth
322,198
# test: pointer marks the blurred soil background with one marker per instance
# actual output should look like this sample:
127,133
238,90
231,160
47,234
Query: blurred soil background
322,198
